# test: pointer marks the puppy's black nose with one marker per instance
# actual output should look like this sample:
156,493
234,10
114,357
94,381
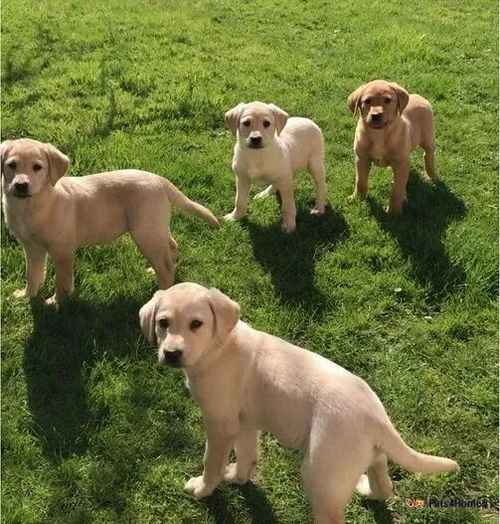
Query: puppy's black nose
256,140
377,117
173,358
21,187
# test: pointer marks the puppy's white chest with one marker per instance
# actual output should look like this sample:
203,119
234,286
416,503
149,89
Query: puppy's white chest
22,221
260,175
13,219
261,166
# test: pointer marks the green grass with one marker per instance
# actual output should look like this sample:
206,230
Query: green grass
92,429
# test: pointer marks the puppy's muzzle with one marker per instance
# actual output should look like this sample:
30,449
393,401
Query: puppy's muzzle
22,189
377,120
173,358
255,142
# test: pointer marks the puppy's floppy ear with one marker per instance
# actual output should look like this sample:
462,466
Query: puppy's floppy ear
147,318
280,117
58,163
226,312
402,94
4,151
354,100
232,118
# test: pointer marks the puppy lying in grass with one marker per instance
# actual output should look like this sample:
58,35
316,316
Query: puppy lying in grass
246,381
270,148
391,125
50,213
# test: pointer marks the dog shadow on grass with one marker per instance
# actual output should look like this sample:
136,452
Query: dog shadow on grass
261,511
62,348
59,357
419,232
379,510
291,258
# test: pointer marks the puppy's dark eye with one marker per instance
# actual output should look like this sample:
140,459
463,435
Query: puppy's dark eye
367,101
12,165
387,100
246,123
195,324
37,167
163,323
266,123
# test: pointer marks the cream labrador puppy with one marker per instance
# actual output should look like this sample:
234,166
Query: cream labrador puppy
270,148
245,381
391,125
50,213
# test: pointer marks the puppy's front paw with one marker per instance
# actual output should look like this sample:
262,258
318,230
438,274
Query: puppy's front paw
288,226
356,196
231,474
264,194
395,210
20,293
318,210
52,301
197,488
364,488
231,217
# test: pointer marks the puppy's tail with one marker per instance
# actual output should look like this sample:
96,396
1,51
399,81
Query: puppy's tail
179,200
398,451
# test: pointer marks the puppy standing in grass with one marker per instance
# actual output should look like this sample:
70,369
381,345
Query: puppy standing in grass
55,215
391,125
270,148
246,380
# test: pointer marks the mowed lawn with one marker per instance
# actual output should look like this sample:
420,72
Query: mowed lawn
93,430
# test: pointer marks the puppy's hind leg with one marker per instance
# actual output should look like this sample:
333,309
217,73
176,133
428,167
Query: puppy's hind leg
174,252
270,190
428,144
430,167
245,447
327,491
317,169
376,484
331,468
155,245
173,248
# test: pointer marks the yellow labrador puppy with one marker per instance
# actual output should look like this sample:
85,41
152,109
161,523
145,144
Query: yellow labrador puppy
391,125
270,148
245,380
51,214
